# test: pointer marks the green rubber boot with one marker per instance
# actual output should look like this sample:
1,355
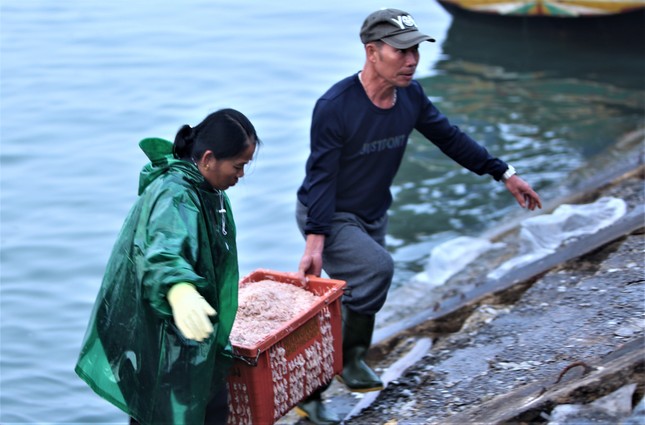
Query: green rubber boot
357,337
313,409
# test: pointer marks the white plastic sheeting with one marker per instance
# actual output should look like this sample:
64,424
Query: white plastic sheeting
542,235
539,237
452,256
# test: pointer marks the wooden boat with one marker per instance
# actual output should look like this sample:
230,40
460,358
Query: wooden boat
547,8
612,22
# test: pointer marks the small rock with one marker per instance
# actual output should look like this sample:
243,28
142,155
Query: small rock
625,331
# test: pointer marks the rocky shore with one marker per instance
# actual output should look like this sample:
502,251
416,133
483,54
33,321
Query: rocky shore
560,343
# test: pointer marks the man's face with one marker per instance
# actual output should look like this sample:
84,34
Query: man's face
397,66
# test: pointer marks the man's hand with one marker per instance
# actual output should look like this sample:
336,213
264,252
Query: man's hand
311,261
521,190
190,311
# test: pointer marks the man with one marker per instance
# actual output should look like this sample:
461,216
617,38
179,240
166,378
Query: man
359,131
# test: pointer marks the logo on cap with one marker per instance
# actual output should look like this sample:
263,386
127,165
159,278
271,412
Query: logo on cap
404,21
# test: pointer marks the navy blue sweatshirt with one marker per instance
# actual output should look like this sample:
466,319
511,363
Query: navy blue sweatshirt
357,148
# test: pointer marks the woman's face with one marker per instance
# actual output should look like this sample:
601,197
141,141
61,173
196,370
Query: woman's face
224,173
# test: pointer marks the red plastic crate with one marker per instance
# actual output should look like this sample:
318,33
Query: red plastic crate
270,378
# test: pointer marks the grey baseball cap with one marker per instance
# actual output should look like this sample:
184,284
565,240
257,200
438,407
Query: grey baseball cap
393,26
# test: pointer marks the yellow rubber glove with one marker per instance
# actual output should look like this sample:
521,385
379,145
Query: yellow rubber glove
190,311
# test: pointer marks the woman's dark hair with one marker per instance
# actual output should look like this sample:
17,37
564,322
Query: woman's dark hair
227,133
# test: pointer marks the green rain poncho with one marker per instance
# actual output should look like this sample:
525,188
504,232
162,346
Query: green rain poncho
179,230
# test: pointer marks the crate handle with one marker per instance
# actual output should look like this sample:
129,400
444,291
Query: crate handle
251,362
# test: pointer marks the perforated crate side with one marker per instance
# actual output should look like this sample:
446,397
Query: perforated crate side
289,371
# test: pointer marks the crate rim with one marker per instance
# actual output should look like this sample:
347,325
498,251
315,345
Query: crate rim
253,352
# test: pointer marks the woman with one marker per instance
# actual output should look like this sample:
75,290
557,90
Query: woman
157,345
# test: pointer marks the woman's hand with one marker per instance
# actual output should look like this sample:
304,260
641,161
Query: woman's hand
190,311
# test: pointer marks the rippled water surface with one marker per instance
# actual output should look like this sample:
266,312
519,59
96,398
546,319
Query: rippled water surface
82,82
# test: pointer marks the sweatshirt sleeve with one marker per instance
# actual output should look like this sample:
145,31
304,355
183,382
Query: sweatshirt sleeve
456,144
322,168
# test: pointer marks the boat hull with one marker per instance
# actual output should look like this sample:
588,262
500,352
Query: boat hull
623,26
564,9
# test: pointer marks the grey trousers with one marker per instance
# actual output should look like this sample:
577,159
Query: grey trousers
355,252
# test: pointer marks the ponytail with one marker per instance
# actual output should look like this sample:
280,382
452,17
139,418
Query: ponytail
184,143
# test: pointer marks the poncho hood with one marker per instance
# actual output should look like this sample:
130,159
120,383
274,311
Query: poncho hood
159,152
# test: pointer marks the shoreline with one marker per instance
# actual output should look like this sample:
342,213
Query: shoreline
585,186
613,265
